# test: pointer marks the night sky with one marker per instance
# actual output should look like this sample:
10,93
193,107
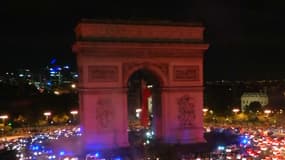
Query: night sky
246,36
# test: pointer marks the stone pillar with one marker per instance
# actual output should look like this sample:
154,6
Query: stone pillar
183,119
157,111
104,118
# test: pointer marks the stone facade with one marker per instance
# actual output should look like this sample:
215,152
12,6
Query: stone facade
249,97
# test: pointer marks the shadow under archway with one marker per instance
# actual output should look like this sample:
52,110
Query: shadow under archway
137,131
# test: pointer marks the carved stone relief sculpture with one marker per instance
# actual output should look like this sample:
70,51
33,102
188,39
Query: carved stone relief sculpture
186,111
104,113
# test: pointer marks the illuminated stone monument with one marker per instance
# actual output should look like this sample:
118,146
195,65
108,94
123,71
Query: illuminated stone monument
108,53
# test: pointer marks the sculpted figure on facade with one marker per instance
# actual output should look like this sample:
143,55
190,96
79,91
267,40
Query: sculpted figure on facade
186,111
104,113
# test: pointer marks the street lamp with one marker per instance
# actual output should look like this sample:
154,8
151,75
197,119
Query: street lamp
4,117
236,110
138,112
205,110
47,114
73,86
267,112
74,113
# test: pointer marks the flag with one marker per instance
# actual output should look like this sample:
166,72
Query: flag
146,93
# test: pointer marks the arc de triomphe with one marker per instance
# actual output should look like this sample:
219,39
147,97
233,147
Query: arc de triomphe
108,53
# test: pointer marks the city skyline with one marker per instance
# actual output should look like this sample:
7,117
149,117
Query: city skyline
245,37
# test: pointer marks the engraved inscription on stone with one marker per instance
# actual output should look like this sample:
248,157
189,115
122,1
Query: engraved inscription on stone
186,73
101,73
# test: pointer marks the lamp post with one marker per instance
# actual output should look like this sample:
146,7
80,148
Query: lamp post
267,112
236,110
47,114
205,117
74,113
73,86
4,117
205,110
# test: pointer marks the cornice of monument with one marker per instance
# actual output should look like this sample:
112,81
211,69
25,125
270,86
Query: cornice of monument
142,22
117,49
140,31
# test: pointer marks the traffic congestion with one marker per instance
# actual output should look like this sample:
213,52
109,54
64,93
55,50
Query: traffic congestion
237,144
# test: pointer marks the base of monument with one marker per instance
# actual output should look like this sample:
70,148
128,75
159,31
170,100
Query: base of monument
185,136
116,153
153,150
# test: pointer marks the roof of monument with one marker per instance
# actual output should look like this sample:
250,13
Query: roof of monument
143,22
139,31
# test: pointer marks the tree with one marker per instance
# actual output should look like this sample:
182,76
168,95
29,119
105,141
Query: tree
253,107
252,110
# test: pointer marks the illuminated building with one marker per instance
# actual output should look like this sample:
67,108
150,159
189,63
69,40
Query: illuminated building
249,97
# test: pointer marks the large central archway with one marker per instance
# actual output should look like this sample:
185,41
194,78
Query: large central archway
110,54
145,116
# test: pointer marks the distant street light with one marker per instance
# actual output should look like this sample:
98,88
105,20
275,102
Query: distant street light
73,85
74,113
236,110
138,112
4,117
205,110
47,114
267,112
